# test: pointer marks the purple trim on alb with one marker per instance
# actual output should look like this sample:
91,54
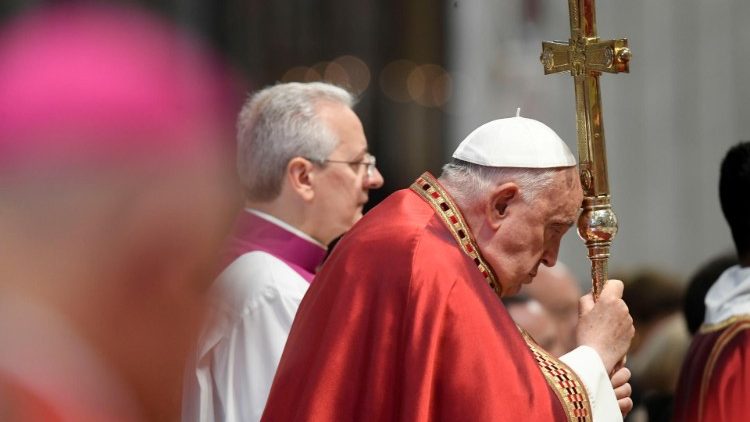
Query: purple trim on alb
253,233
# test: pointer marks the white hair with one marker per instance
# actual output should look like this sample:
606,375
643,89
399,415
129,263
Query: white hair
279,123
471,183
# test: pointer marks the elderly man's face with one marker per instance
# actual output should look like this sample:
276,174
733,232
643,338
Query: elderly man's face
530,233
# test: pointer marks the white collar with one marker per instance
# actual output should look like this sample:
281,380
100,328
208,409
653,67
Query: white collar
286,226
729,296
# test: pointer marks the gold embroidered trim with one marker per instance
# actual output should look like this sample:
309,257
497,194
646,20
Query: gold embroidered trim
563,381
736,325
429,189
707,328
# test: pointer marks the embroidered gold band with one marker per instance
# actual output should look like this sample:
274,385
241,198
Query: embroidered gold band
707,328
429,189
564,382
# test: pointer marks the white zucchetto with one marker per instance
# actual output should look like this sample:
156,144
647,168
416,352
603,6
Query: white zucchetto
515,142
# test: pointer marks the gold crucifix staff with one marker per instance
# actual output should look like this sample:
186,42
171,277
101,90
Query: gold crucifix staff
586,57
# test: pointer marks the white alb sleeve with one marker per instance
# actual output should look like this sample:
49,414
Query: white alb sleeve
587,364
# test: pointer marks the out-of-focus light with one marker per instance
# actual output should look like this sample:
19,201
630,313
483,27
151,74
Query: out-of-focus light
337,75
393,80
346,71
318,70
312,75
416,85
428,85
295,74
442,89
357,71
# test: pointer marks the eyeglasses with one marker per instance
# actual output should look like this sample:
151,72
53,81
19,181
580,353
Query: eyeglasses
368,161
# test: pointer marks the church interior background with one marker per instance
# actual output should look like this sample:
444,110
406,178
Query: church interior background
428,72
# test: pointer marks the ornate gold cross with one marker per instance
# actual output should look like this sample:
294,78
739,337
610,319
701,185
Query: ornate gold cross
586,57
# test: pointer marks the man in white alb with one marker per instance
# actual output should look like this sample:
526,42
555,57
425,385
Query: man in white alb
306,172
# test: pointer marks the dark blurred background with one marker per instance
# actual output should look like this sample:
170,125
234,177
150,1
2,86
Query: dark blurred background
391,53
428,72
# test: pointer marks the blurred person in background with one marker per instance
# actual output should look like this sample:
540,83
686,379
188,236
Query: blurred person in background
530,315
306,172
715,379
659,345
114,197
558,291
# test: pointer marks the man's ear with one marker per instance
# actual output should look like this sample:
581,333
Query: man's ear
300,175
500,199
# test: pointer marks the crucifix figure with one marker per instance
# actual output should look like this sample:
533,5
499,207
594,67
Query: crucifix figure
586,57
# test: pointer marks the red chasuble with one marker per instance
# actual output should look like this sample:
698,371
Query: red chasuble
714,383
402,323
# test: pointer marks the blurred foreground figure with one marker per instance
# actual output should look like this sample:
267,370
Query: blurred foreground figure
557,290
715,381
304,166
114,196
405,321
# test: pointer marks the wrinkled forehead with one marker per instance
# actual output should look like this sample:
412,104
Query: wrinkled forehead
575,190
564,194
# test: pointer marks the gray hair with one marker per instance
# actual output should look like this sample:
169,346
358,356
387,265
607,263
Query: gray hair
279,123
470,183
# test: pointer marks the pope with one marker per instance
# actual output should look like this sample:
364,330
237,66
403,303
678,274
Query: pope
405,320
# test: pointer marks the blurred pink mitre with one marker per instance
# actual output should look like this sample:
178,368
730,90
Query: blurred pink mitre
86,84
